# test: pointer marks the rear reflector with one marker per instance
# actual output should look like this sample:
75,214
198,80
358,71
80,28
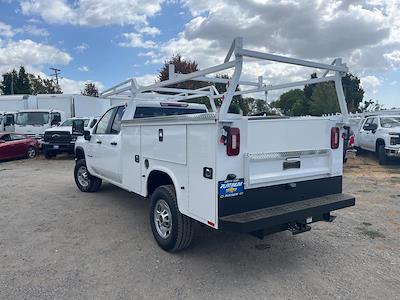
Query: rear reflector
335,138
233,143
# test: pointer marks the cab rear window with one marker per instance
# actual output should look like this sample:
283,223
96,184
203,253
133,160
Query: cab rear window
148,112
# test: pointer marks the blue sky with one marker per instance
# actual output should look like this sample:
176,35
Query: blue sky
108,42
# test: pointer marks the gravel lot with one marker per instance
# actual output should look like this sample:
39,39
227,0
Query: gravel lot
59,243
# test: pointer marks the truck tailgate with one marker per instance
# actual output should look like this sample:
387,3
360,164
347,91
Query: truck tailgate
287,150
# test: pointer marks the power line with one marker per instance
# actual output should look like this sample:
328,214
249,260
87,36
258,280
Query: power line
56,72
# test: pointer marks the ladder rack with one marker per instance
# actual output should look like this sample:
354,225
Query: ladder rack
233,60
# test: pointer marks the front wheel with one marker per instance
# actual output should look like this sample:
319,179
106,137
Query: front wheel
172,230
31,152
84,180
382,155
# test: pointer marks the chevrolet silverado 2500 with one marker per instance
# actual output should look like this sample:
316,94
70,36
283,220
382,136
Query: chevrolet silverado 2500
257,175
60,139
380,133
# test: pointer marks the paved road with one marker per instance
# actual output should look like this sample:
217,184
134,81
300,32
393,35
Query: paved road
59,243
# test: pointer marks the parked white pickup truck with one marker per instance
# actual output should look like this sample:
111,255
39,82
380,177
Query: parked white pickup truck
379,134
256,175
59,139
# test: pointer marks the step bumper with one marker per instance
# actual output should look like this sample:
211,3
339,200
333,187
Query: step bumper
280,217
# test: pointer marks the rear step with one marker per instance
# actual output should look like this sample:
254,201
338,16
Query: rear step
288,216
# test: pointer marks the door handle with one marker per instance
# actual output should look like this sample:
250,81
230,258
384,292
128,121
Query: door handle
113,143
98,142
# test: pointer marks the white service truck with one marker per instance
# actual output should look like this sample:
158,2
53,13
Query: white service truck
255,175
379,133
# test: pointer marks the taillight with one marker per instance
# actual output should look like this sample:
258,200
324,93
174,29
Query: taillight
351,141
233,142
335,137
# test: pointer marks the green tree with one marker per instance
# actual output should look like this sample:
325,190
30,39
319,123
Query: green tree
324,99
43,86
353,92
15,82
291,103
90,90
22,82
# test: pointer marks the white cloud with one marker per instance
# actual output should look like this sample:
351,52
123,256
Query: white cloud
146,79
33,30
82,47
70,86
370,85
6,30
92,12
152,31
359,31
28,52
83,68
135,40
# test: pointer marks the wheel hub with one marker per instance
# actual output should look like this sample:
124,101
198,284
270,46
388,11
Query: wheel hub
163,218
83,176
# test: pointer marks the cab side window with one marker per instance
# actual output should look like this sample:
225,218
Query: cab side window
367,123
116,125
103,124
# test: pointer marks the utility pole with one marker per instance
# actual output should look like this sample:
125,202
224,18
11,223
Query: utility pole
56,73
12,83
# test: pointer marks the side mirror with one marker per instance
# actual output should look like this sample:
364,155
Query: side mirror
373,127
78,127
86,135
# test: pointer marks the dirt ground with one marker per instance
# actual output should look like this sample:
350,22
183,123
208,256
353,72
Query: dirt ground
59,243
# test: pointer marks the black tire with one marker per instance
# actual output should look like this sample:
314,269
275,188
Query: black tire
31,152
93,182
182,228
359,151
48,154
382,157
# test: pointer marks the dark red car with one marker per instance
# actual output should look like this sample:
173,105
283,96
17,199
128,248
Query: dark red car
16,145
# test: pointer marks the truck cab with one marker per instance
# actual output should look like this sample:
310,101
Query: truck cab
33,122
60,139
380,134
7,121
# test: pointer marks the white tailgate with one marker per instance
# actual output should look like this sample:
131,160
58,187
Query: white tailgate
286,150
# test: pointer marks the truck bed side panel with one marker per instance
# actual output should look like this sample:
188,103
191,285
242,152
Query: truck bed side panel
201,154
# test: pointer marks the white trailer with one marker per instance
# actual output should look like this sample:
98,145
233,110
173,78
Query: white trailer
17,102
248,174
74,105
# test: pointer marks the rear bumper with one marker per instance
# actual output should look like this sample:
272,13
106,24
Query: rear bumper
282,217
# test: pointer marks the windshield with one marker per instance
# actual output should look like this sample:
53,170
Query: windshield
389,122
69,122
32,118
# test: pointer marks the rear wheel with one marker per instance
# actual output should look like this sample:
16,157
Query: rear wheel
172,230
84,180
31,152
382,155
